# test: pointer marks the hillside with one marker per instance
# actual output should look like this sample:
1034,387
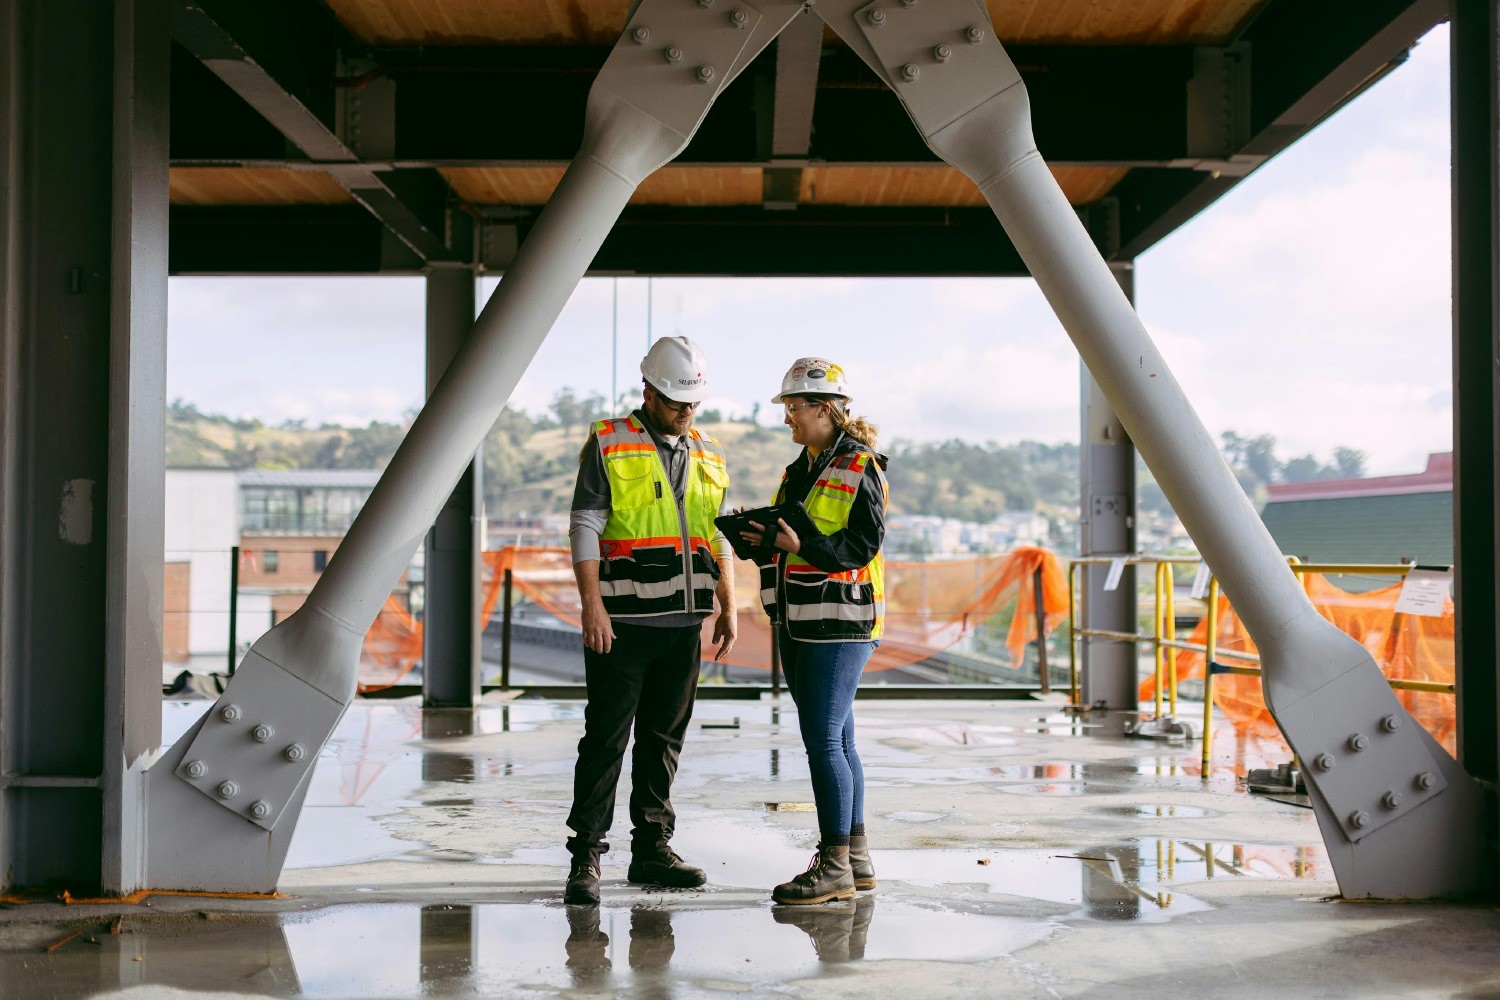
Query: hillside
530,461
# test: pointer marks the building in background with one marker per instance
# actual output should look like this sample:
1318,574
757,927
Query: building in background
1388,519
287,525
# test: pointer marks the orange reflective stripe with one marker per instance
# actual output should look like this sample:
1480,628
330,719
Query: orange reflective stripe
629,446
614,547
829,484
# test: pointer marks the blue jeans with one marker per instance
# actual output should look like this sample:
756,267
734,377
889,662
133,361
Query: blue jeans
821,677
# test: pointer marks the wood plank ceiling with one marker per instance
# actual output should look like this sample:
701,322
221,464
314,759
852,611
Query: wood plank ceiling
597,22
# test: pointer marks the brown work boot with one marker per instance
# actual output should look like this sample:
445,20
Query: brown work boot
828,877
860,863
829,927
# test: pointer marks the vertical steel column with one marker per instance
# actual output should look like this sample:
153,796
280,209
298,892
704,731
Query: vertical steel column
1106,526
83,210
450,632
1476,379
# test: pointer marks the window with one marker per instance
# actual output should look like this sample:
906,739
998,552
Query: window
320,560
270,561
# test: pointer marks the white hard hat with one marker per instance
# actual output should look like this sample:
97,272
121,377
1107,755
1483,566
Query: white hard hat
674,367
813,377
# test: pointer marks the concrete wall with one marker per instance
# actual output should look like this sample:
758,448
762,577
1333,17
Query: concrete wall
202,522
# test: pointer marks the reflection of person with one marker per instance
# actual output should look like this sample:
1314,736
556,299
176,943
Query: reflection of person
827,594
646,555
652,945
838,933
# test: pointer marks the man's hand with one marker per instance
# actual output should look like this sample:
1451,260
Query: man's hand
598,633
726,630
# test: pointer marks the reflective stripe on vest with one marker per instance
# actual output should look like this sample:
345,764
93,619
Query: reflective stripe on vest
829,607
643,566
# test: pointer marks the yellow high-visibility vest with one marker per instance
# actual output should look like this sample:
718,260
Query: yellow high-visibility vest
848,606
646,552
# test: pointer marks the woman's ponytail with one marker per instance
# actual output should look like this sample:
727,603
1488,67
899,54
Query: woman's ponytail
858,428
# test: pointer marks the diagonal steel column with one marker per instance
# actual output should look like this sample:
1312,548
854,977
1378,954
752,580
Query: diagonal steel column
225,799
1398,815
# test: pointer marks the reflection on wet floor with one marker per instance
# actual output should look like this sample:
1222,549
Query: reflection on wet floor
643,947
996,829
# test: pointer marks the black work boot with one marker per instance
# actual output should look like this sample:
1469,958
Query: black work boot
663,867
583,884
860,863
828,877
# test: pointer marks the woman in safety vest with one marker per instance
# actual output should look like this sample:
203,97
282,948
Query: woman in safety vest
826,598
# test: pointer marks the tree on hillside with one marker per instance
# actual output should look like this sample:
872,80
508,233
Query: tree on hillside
1350,462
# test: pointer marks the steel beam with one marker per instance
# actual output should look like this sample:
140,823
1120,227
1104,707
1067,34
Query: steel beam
451,600
1103,105
814,240
270,53
1476,382
1309,59
83,159
1106,526
799,50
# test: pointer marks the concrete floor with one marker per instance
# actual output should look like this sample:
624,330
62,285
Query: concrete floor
1020,853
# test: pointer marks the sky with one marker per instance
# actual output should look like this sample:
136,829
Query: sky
1311,303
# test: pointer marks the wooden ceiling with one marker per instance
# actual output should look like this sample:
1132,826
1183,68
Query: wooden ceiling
598,22
352,136
938,186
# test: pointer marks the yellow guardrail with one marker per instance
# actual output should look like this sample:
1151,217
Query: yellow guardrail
1165,644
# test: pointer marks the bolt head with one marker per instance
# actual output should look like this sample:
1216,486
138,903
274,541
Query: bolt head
295,752
1359,819
1391,723
908,3
942,53
228,789
261,809
910,72
1358,741
641,35
197,769
263,733
974,33
705,4
739,18
705,74
673,54
1426,780
1324,761
230,713
876,17
1391,800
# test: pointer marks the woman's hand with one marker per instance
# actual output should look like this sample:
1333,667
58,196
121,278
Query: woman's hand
786,538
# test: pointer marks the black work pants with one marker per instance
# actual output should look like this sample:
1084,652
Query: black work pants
649,678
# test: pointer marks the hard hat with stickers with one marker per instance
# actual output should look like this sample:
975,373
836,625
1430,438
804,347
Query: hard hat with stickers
813,377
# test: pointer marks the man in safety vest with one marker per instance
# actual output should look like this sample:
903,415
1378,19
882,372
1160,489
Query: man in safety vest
649,560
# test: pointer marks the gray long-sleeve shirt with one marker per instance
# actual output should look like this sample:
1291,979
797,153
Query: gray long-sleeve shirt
592,505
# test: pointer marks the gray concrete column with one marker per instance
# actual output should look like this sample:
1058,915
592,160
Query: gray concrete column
83,172
450,631
1476,381
1106,527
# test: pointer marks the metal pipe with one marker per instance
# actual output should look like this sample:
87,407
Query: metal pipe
1211,645
1043,670
505,595
1073,637
775,661
234,606
1170,628
1157,653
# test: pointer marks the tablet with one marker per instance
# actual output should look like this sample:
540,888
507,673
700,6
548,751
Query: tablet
793,513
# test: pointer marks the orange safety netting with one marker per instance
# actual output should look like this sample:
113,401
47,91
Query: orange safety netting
1406,647
930,606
